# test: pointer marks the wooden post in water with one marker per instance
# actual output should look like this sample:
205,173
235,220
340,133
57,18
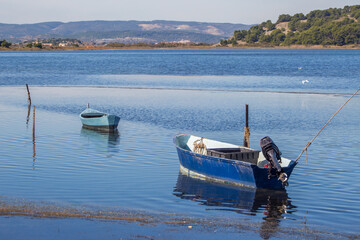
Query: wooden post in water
29,105
246,129
28,92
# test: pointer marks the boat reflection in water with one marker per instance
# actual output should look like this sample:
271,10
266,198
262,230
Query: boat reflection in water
111,139
273,204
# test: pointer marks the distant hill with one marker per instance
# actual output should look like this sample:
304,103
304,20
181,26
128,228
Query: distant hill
334,26
122,31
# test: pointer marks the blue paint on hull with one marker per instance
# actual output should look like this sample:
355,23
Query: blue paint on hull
215,168
262,180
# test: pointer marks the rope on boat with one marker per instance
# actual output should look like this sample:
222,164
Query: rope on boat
309,143
246,137
200,147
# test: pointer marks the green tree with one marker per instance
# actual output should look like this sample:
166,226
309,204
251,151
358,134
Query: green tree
277,37
303,26
223,42
284,18
265,38
254,34
233,42
240,35
38,45
5,44
298,17
117,45
269,25
291,38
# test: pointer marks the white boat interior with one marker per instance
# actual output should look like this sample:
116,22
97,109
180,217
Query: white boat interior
224,150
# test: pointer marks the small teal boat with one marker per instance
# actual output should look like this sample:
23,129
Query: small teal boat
93,119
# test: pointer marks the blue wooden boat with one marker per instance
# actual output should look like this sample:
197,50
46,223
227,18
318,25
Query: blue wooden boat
227,163
93,119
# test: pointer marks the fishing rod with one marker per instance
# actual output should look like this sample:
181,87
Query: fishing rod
309,143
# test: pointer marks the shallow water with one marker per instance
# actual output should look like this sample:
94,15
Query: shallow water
138,168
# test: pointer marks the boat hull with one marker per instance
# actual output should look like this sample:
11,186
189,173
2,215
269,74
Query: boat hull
228,171
95,120
105,123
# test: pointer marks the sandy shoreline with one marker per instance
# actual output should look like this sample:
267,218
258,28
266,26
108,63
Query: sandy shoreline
250,46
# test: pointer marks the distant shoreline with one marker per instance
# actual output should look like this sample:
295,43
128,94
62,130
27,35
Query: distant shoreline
101,47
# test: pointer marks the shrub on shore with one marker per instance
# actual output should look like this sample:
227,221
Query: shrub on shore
5,44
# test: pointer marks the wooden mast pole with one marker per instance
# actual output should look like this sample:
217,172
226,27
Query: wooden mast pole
246,129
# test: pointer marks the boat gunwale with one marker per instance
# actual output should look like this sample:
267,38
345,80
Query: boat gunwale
100,115
212,158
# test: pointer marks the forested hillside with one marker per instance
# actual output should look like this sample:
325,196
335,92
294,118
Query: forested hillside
334,26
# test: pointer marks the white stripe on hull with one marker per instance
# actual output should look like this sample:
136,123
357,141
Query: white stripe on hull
200,176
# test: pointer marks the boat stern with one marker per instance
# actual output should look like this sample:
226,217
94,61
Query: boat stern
262,179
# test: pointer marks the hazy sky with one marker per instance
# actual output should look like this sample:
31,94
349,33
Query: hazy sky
232,11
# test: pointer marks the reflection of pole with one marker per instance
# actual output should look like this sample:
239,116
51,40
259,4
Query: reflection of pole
28,114
246,129
34,154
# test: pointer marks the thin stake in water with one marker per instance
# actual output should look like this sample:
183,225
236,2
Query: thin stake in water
28,92
29,106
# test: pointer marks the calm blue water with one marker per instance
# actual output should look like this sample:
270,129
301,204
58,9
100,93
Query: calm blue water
236,69
137,168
